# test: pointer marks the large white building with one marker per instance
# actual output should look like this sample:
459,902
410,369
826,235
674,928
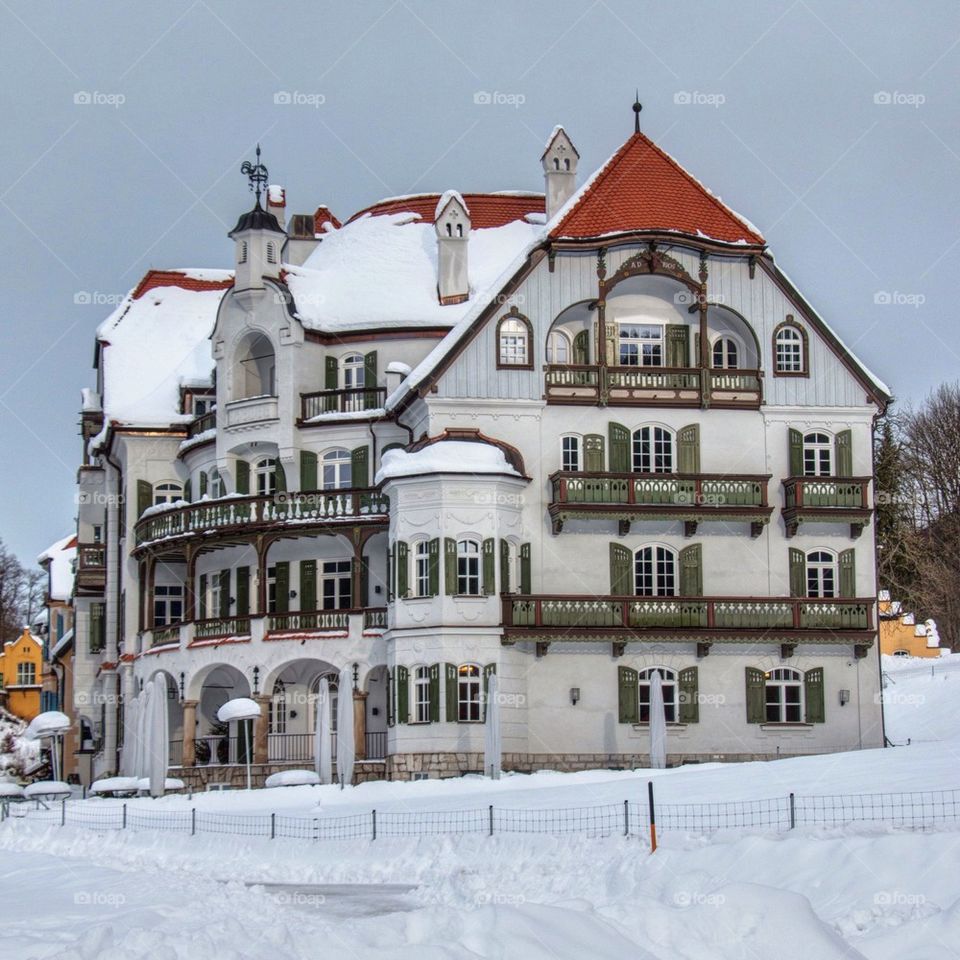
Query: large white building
569,437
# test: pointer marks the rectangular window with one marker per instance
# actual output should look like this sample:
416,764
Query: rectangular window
213,592
784,703
640,345
168,604
468,687
271,589
570,454
335,584
26,674
97,533
468,568
422,568
421,695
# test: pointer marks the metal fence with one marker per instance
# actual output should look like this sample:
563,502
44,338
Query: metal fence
918,810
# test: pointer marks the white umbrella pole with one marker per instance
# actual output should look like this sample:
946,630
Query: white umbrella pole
246,739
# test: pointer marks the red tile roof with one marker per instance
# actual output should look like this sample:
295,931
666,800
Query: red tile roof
643,188
176,278
486,209
324,215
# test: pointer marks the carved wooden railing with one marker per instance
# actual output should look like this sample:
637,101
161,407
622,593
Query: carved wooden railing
350,400
658,489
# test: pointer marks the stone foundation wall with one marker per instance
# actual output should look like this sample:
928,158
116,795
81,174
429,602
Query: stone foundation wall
199,778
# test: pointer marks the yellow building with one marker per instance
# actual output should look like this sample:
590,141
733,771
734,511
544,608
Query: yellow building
901,635
21,663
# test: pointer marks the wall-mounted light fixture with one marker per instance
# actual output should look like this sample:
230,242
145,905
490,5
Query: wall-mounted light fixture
574,695
256,680
844,697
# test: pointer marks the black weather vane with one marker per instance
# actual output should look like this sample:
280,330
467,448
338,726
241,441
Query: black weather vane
256,173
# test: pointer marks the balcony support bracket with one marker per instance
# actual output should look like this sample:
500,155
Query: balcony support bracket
619,647
787,650
756,528
860,651
855,530
690,528
542,647
703,650
623,527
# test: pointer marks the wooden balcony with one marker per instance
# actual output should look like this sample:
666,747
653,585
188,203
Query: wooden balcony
704,620
692,498
310,621
341,401
91,578
219,628
203,423
826,500
228,517
652,386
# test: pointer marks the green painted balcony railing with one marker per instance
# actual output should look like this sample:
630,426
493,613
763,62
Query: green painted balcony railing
163,635
819,492
320,506
309,620
706,491
216,627
706,613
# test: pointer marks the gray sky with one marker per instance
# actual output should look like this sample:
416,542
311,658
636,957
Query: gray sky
857,198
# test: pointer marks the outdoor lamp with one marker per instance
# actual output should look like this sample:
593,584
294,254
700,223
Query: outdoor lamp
574,695
844,697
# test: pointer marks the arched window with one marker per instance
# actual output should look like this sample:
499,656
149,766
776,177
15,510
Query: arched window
784,694
265,474
726,354
468,568
655,572
217,488
652,450
817,455
668,681
468,693
901,653
790,350
167,493
277,711
513,341
352,371
559,347
571,453
337,469
255,375
421,695
821,574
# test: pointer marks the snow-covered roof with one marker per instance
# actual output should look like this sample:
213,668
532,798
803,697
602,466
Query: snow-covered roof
157,340
445,456
61,556
381,272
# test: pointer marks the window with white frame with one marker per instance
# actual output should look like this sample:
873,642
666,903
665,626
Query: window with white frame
271,589
265,474
421,568
817,455
668,684
726,353
26,674
277,711
468,568
421,695
558,347
652,450
640,344
217,488
821,574
201,404
655,572
513,347
468,693
784,696
571,449
789,347
335,585
167,493
337,469
213,591
167,604
352,371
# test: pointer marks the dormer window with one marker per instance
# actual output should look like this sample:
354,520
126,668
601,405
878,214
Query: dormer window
514,341
790,350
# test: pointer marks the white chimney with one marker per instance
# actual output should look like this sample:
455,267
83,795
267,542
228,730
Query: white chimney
559,162
452,223
277,203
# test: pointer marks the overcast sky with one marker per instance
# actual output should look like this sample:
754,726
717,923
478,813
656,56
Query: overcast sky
831,125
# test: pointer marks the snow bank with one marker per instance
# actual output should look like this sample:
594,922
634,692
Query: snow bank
293,778
61,556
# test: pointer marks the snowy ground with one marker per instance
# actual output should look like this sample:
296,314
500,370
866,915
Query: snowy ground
812,893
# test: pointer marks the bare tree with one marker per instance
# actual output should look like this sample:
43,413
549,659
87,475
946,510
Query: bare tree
22,593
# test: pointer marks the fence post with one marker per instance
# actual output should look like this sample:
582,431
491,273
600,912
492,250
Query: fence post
273,826
626,818
373,824
491,819
653,819
63,812
793,813
193,821
124,821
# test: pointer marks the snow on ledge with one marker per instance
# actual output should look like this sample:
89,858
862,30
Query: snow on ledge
446,456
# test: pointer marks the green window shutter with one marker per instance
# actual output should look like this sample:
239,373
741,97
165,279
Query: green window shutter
619,448
187,494
97,628
359,461
696,351
450,566
525,578
487,670
581,347
798,573
281,476
796,453
593,456
453,709
370,369
243,591
308,470
621,571
144,496
308,585
243,477
848,573
224,593
283,587
435,693
691,571
489,567
505,566
678,345
433,552
403,570
203,484
813,696
403,695
688,449
331,373
843,453
390,698
628,701
756,695
689,708
202,589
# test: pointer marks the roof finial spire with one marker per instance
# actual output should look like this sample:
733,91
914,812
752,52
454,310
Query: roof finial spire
256,173
637,107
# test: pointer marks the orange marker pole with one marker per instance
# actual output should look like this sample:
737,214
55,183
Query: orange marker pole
653,818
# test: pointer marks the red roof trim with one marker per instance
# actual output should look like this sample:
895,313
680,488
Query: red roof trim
175,278
324,215
486,209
